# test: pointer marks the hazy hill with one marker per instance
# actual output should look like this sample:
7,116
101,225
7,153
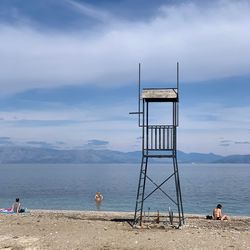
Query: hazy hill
198,157
14,154
44,155
234,159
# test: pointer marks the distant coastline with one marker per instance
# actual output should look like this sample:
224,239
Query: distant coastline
21,155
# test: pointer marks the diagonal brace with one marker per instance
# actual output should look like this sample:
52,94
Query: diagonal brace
159,187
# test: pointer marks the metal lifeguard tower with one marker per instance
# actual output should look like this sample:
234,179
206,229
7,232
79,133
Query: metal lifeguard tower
158,141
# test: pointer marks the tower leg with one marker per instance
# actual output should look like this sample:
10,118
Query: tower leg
178,193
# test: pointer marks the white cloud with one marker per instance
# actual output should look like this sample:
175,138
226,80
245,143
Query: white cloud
215,117
80,113
121,135
107,124
89,11
203,127
196,133
210,42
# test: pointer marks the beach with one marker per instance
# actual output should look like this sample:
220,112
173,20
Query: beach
48,229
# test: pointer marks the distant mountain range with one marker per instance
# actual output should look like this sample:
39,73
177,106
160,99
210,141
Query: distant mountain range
15,154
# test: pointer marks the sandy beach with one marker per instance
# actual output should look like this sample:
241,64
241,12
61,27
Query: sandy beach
43,229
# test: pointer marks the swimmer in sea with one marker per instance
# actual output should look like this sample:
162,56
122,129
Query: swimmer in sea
98,197
98,200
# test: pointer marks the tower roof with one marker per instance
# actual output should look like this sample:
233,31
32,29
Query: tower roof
160,94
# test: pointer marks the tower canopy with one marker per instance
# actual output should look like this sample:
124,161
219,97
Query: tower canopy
160,94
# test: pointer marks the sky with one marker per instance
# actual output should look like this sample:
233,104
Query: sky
69,72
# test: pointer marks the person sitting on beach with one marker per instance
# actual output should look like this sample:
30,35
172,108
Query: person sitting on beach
218,215
16,207
98,197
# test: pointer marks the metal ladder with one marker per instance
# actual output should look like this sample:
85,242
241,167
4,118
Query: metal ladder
140,191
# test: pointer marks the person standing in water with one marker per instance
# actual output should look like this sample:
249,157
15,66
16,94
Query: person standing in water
98,200
98,197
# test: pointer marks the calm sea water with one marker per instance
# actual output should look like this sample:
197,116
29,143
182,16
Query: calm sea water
63,186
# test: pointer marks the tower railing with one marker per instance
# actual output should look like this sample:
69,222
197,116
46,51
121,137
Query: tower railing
160,137
159,141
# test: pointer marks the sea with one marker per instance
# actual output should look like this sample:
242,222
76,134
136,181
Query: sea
73,187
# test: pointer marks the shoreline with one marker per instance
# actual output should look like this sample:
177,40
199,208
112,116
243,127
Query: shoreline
71,229
122,213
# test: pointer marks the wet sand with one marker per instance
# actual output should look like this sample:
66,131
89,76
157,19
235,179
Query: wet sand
43,229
